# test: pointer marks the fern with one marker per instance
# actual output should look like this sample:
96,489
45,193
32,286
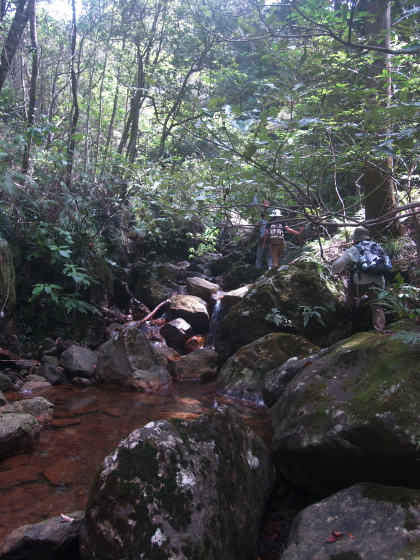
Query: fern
408,337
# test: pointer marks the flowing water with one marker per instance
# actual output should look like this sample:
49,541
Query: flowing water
56,475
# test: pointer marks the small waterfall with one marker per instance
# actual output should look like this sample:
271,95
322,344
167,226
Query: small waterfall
215,320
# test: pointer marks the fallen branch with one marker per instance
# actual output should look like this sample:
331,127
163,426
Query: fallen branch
139,323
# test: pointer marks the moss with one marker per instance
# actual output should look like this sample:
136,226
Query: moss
410,552
405,497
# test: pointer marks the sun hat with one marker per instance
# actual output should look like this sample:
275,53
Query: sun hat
360,234
275,213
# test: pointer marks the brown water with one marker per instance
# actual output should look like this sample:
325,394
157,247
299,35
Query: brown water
56,475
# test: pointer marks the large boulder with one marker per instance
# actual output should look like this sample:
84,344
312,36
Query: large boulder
199,365
285,299
78,361
127,359
351,416
54,539
190,308
240,273
185,490
201,288
18,432
242,376
176,332
52,374
366,521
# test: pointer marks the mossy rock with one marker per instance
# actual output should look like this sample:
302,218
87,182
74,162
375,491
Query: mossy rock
286,290
192,490
151,293
240,274
7,288
352,416
243,374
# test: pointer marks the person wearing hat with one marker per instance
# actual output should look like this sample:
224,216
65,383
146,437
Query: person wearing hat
360,284
274,233
262,254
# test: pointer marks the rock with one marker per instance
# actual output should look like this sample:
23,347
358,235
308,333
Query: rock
53,539
192,309
200,365
41,409
201,288
123,356
18,431
151,380
220,264
62,473
162,350
376,522
32,386
3,399
5,383
351,416
239,274
52,374
235,296
35,378
193,343
10,342
82,382
276,380
78,361
242,376
50,360
176,332
179,489
276,302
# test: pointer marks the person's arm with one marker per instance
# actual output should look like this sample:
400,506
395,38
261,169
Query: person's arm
290,230
341,262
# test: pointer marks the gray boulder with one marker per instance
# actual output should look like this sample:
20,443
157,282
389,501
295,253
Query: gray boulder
243,375
41,409
351,416
233,297
53,539
176,332
179,489
52,374
201,288
191,308
78,361
125,360
5,382
18,432
3,399
199,365
366,521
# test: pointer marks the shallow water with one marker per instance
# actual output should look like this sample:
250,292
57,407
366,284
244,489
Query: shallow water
56,475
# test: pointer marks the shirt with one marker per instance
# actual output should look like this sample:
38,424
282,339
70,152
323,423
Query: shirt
352,256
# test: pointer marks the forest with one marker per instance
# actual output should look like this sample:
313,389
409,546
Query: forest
163,125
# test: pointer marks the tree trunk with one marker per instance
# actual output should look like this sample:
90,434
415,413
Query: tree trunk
378,181
33,87
13,39
75,117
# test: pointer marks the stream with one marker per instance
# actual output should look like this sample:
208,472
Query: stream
55,476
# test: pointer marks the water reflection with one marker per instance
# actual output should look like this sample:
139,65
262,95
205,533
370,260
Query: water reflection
55,477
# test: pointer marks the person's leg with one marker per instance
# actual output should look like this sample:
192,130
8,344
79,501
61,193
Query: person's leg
351,295
260,256
268,258
274,254
378,315
280,252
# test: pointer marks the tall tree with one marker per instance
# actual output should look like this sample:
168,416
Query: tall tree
19,22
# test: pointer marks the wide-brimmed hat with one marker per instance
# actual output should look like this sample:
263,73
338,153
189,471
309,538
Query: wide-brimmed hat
275,213
360,234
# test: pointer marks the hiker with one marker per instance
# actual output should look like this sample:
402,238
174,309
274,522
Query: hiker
262,254
274,235
359,283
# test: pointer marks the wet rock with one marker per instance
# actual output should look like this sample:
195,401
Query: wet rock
52,374
78,361
33,386
151,380
192,309
34,378
176,332
243,375
201,288
53,539
62,473
193,343
351,416
364,521
82,382
200,365
276,303
164,351
18,431
3,399
41,409
180,489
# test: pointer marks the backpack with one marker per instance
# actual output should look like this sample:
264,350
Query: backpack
372,259
276,234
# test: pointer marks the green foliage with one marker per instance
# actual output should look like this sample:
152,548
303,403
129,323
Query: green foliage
206,242
277,317
400,299
408,337
309,313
